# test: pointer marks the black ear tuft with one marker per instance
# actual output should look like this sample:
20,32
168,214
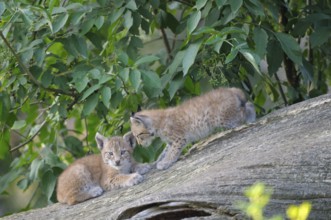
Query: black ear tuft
100,140
130,139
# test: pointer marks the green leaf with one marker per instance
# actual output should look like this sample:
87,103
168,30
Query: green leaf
220,3
146,59
80,45
135,79
233,53
260,38
90,104
227,15
23,184
151,79
155,4
200,4
48,182
18,124
290,47
235,5
255,7
106,96
89,91
124,74
95,73
189,57
128,20
193,21
2,7
320,36
4,143
275,56
74,146
252,58
116,99
99,22
69,46
59,22
124,58
77,17
116,14
35,167
50,158
4,106
132,5
176,62
175,84
307,71
81,83
86,26
171,22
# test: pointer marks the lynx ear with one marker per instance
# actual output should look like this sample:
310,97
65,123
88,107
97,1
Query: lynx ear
130,139
141,119
100,139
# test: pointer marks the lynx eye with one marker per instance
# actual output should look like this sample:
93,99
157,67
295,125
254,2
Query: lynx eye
144,133
123,152
110,154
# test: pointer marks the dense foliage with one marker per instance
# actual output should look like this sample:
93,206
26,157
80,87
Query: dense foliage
71,65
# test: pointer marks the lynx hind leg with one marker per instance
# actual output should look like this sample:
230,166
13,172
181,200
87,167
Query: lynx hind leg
171,154
85,194
79,185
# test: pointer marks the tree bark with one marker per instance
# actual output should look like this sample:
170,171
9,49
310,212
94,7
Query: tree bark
289,150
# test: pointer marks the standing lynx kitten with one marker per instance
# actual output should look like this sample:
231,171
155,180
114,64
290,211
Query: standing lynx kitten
191,121
89,176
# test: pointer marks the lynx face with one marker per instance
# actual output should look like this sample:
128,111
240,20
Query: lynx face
115,152
141,130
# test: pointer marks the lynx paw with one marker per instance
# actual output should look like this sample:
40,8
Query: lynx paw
143,168
135,179
96,191
162,165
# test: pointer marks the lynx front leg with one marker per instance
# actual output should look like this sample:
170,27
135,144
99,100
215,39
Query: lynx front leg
170,154
142,168
123,180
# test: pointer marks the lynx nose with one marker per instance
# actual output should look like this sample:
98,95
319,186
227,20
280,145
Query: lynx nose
117,162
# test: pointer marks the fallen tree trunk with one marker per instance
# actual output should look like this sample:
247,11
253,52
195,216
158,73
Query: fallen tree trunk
289,150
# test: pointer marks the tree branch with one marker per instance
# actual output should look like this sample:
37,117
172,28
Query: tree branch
30,139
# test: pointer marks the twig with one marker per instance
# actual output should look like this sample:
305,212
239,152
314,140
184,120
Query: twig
27,71
86,138
185,3
15,131
281,89
166,43
30,139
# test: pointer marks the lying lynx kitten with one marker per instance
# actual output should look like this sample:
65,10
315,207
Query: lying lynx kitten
89,176
191,121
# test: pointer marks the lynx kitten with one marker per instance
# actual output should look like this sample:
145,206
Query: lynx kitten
191,121
89,176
